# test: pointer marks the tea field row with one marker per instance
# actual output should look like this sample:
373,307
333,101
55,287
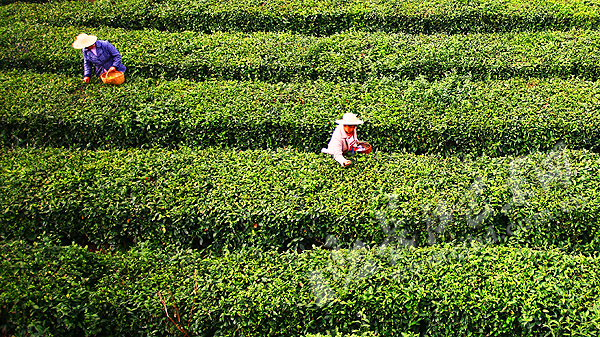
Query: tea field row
460,290
323,17
451,116
284,57
224,199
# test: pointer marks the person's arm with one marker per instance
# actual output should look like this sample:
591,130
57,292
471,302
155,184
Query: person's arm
338,155
335,148
87,68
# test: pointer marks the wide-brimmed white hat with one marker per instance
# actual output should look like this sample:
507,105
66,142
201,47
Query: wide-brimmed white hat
349,119
83,41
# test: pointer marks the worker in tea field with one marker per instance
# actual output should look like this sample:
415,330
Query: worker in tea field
344,140
101,54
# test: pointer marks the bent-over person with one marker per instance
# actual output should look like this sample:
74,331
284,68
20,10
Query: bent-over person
100,54
344,140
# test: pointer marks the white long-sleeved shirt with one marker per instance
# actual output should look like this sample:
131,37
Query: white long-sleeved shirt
339,144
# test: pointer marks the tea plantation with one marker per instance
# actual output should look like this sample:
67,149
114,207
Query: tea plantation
193,200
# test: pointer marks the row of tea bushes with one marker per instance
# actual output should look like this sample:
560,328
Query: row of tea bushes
275,57
322,17
466,290
225,199
450,116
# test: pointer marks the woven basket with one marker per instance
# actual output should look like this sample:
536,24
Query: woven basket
113,77
367,147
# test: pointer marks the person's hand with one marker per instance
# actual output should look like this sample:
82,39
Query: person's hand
111,69
347,162
86,79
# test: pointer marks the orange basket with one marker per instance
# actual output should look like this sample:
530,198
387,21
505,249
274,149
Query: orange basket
114,77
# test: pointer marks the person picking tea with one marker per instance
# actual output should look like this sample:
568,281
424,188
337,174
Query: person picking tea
98,53
344,140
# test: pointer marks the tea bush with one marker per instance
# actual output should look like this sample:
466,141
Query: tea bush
465,290
313,17
46,289
283,57
451,116
225,199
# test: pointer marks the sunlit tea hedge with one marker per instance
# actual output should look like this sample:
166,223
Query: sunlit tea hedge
321,17
446,290
452,116
285,56
279,199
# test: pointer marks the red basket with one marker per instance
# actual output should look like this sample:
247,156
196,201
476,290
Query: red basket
367,147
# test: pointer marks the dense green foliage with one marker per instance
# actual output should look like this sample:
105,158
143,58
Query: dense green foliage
446,290
192,200
275,57
315,17
278,199
451,116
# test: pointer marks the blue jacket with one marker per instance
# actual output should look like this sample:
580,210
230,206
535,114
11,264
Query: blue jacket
107,57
